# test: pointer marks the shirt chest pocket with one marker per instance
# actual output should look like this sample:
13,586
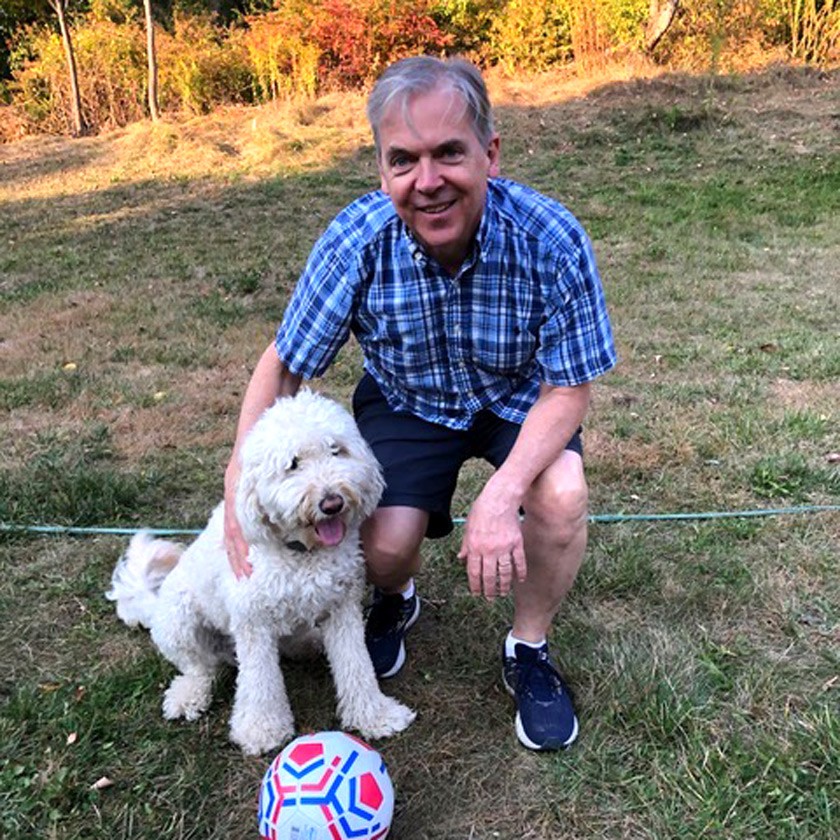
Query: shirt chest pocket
508,349
406,332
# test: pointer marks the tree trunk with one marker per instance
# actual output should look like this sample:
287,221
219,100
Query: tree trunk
79,127
152,59
662,14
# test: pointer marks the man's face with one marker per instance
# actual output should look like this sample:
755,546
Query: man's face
435,169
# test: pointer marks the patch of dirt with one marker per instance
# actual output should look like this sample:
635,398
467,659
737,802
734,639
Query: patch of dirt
626,455
795,395
199,406
42,334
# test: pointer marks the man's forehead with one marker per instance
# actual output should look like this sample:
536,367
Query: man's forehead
447,105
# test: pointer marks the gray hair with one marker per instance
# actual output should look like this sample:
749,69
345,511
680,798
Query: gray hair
423,74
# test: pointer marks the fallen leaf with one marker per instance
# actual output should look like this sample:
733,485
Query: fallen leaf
102,783
72,738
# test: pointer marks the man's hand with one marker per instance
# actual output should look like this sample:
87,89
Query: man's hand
235,544
492,547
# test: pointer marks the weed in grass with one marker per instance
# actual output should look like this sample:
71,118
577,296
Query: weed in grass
792,477
804,425
245,282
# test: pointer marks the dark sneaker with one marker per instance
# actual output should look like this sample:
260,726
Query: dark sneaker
545,716
388,619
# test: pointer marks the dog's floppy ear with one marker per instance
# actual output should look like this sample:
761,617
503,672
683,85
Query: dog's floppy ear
373,484
248,510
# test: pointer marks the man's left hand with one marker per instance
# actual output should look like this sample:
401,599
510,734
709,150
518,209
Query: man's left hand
492,548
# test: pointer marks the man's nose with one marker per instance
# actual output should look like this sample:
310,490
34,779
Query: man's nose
428,175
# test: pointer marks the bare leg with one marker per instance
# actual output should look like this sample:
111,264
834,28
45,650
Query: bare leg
391,539
555,533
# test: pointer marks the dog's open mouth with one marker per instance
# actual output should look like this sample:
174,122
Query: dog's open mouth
330,531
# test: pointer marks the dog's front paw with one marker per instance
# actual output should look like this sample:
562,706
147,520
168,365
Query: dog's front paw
188,696
259,733
379,718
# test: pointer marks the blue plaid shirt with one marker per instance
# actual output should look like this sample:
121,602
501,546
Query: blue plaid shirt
526,307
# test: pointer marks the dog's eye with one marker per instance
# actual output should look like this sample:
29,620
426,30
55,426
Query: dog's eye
293,464
337,449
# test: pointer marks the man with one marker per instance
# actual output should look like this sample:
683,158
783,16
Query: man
480,314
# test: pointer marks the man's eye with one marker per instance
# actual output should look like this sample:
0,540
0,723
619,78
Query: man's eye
400,162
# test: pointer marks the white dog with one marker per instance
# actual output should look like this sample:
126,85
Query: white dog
308,481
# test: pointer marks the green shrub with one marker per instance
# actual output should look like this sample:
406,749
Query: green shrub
40,89
625,22
725,34
283,63
536,34
812,29
200,67
301,47
467,22
111,64
530,35
111,59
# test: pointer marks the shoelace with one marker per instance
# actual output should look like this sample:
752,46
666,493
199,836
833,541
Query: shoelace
386,612
538,678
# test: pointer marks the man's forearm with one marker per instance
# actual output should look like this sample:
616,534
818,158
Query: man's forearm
271,379
550,424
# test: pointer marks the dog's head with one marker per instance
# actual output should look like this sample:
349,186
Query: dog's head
308,476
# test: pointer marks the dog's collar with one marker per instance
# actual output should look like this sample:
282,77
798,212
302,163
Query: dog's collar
296,545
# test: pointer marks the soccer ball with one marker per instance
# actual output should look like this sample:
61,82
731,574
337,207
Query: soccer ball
326,786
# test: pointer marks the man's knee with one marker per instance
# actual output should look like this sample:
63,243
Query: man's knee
391,541
558,501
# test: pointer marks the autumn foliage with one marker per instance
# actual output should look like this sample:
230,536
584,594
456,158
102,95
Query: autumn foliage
301,48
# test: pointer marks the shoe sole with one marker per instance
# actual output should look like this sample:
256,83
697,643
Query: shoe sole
525,740
400,660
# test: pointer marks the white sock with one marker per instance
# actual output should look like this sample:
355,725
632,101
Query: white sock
408,592
511,641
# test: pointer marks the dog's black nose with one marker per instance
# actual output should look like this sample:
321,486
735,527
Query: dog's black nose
332,504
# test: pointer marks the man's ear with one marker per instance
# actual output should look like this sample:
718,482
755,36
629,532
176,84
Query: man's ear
493,155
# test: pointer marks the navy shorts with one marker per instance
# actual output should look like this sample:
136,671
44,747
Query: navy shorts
421,460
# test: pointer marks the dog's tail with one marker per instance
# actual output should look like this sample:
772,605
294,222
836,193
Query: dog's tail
138,576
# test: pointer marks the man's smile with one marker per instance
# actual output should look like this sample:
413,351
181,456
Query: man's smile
435,209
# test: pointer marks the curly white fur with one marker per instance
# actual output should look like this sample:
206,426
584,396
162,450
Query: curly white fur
308,481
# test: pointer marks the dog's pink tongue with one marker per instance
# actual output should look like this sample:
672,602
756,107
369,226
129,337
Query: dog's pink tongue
330,531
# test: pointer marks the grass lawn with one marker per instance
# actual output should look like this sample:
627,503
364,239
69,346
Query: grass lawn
143,271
